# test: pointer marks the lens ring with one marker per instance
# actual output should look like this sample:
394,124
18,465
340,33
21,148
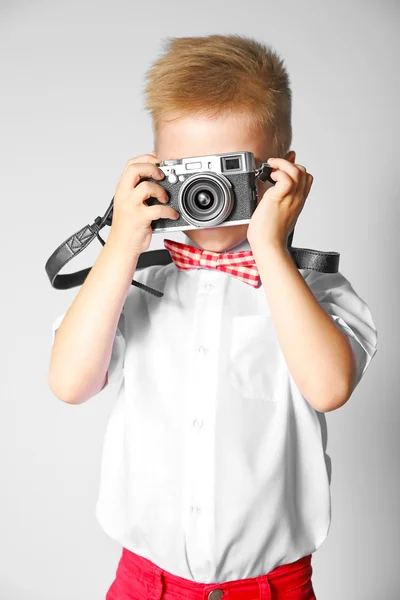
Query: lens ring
211,182
208,191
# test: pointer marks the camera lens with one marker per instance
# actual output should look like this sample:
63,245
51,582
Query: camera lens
205,199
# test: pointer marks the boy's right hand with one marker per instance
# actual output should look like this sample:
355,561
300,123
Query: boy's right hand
132,217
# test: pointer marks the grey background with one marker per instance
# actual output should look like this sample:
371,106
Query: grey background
71,117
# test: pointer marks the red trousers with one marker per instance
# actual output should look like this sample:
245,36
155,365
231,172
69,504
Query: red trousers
137,578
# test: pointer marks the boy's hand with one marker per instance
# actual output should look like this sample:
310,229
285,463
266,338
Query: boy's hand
132,217
279,208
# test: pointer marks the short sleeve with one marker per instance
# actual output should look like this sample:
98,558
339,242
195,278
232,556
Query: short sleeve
116,366
350,313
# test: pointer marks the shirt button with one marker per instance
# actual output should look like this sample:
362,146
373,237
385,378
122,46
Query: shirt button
196,509
198,423
203,350
215,595
209,286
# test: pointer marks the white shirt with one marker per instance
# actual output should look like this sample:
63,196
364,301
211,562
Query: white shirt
213,463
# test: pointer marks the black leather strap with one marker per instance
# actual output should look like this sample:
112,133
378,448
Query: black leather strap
304,258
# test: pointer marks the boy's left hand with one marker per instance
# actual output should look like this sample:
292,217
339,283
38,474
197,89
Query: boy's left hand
279,208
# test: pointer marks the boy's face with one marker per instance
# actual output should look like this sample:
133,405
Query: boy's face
199,136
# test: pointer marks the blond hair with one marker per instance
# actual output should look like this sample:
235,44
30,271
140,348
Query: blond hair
218,74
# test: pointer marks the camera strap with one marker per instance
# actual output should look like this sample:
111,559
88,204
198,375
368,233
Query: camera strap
304,258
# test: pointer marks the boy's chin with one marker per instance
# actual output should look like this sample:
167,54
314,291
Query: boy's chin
218,239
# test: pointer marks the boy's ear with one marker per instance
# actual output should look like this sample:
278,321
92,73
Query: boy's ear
291,156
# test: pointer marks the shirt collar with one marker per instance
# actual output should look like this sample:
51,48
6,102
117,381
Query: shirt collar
242,246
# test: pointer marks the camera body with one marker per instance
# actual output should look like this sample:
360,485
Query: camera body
216,190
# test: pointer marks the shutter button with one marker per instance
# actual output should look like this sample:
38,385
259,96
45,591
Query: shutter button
215,595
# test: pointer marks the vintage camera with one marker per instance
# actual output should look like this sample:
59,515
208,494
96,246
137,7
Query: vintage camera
216,190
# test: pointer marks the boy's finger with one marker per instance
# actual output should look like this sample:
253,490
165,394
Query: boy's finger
309,182
134,172
150,158
286,166
142,158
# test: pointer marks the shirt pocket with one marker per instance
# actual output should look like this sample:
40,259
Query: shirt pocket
255,358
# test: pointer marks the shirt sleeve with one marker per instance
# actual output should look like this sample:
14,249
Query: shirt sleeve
116,366
349,312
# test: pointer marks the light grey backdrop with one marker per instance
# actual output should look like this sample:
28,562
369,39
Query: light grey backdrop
71,116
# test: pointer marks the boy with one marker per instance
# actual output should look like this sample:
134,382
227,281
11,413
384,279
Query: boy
214,478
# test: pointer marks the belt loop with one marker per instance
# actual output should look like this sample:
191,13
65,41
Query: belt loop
157,584
265,588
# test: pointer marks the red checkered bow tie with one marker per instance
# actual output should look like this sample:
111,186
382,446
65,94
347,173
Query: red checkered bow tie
240,264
